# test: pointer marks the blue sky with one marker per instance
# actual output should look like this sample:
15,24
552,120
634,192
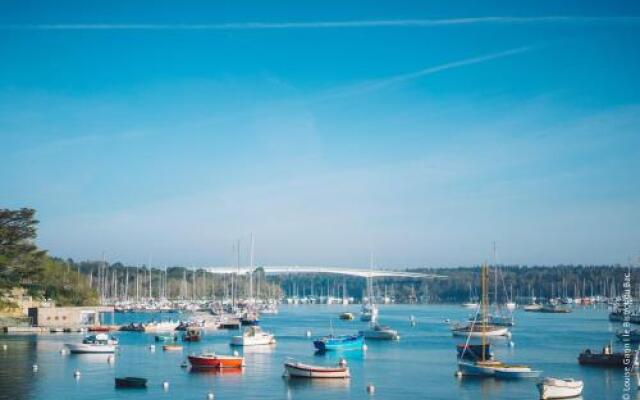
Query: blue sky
422,131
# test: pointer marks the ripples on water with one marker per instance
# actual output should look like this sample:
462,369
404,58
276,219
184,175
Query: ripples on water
420,365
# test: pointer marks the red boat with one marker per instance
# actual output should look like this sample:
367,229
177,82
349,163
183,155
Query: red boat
192,335
213,360
99,328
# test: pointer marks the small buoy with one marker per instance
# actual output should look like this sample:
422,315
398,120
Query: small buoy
35,367
210,396
365,347
447,320
5,347
371,389
397,337
235,353
458,374
63,351
343,362
165,385
152,347
76,374
308,333
511,344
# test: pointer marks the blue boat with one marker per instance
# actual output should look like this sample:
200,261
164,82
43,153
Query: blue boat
342,342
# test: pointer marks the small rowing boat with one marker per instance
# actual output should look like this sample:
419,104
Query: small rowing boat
554,388
296,369
172,347
212,360
131,382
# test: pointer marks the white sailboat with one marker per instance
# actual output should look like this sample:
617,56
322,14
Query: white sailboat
369,310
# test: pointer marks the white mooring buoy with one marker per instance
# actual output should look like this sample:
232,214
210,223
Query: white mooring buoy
308,333
365,347
76,374
152,347
210,396
458,374
35,367
165,385
371,389
5,347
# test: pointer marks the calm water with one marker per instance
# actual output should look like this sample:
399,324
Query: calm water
420,365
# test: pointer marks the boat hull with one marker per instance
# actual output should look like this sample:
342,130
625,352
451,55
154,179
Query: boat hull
83,348
502,331
559,389
516,373
298,370
331,344
252,341
216,362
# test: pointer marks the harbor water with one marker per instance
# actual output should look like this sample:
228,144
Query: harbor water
420,365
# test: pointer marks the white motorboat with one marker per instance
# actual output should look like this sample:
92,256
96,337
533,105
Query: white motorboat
380,332
554,388
100,343
253,336
296,369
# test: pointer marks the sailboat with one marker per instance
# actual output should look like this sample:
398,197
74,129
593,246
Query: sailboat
483,366
471,303
369,311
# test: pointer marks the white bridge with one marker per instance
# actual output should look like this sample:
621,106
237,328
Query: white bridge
299,269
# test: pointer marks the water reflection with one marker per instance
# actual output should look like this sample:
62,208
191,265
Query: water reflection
304,383
216,371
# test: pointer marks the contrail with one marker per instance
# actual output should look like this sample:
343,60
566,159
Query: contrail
378,84
326,24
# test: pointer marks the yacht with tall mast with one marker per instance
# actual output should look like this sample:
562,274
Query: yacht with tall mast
484,366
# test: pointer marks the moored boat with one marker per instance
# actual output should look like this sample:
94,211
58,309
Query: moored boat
554,388
347,316
100,343
479,330
192,335
296,369
212,360
608,358
554,309
131,382
632,336
342,342
474,351
253,336
533,307
380,332
172,347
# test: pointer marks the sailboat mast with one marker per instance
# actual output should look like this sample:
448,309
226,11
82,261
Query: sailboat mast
485,299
